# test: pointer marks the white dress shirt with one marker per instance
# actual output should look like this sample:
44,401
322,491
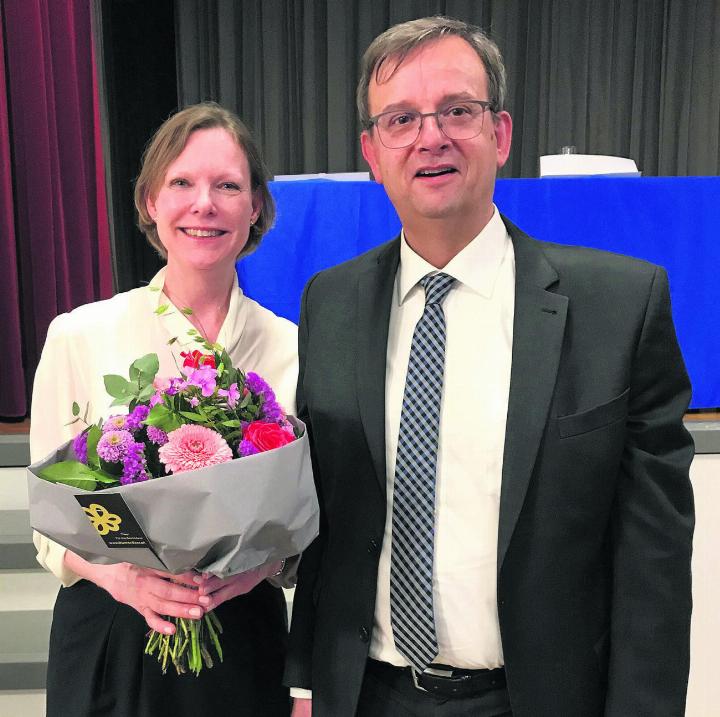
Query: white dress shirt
478,352
107,336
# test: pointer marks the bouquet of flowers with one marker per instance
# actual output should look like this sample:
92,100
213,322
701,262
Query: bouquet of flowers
182,429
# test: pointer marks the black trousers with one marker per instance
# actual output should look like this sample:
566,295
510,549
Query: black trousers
391,693
97,667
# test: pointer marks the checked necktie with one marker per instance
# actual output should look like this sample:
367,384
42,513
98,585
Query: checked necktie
413,518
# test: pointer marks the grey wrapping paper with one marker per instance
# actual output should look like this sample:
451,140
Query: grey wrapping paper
223,520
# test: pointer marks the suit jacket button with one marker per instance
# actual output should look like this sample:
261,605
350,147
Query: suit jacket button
373,547
364,634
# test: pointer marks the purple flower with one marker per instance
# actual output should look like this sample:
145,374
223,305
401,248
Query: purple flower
155,399
113,445
271,409
134,464
80,446
257,384
157,435
139,414
194,401
204,378
115,423
232,395
247,448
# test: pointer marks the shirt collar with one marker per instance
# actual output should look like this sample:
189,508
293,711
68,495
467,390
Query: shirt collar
477,266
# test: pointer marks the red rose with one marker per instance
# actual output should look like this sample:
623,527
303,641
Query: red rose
266,436
196,359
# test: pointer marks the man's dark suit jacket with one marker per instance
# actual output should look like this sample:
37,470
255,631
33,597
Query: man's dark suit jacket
596,508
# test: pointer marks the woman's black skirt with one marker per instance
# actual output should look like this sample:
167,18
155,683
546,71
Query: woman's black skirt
97,666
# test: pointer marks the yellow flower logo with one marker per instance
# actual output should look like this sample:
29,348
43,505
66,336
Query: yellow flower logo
102,520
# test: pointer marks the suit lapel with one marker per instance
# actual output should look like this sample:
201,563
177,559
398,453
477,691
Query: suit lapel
538,330
375,290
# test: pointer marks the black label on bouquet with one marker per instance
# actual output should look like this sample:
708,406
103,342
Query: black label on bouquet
110,515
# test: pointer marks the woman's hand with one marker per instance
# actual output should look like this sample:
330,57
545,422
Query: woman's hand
152,593
215,591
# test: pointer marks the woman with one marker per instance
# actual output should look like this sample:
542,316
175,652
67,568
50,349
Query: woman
203,201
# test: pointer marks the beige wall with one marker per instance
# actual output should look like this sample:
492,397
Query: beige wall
704,689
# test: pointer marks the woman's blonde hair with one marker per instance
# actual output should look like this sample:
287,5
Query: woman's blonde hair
166,146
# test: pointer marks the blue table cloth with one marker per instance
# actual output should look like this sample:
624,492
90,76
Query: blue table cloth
671,221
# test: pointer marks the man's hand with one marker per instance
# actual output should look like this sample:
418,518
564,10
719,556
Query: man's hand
301,708
215,591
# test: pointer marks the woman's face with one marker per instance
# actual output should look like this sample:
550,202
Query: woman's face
205,204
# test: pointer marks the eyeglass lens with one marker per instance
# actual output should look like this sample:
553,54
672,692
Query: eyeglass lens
401,129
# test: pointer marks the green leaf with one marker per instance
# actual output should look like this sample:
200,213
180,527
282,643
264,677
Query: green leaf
154,288
93,436
118,387
162,309
112,470
72,473
146,392
162,417
195,417
200,339
103,477
192,332
232,423
121,401
172,341
246,400
187,311
75,409
147,365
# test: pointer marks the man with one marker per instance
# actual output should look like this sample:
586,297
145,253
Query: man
497,436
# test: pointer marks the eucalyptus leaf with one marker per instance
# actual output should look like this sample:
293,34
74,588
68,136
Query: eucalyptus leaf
121,401
146,392
147,365
118,387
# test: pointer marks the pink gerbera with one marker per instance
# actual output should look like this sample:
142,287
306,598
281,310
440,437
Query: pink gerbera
190,447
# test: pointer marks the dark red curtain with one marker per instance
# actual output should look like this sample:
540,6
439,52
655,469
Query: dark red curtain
54,234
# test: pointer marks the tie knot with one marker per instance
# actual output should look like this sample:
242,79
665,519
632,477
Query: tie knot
436,287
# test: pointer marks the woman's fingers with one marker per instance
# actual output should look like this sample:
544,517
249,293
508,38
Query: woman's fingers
155,622
191,578
175,609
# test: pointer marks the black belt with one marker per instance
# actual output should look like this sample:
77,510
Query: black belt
442,680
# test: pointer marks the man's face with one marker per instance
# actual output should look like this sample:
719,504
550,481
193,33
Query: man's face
433,75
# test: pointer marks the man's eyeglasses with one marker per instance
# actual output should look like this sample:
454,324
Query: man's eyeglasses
460,120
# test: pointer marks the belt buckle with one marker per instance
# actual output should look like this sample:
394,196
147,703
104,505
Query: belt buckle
414,672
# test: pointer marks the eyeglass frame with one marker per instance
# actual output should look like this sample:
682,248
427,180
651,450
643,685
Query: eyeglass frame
485,104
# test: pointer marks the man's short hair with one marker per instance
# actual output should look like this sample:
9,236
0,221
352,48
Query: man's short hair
398,41
167,145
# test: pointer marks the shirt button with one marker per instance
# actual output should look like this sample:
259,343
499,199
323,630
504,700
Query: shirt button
364,634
